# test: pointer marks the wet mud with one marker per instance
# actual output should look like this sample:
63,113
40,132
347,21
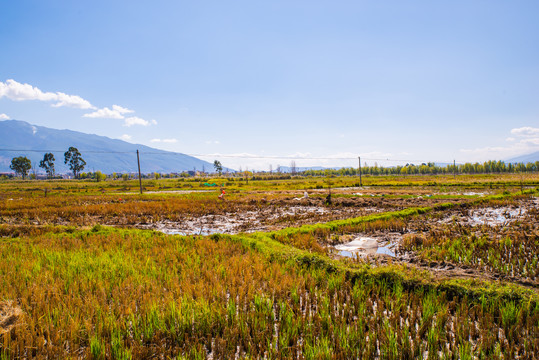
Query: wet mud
380,247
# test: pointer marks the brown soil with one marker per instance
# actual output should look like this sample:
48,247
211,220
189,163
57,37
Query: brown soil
10,316
445,270
267,218
495,222
275,214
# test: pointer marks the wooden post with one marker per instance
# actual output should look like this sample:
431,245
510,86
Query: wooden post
360,182
139,177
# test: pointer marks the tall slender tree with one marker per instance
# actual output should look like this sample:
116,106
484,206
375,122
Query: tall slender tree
48,164
218,167
74,158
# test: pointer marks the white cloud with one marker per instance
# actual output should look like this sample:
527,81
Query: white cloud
531,141
72,101
135,120
16,91
117,112
525,131
169,141
122,110
125,137
524,140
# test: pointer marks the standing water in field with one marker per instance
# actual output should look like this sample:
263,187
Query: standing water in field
489,216
363,246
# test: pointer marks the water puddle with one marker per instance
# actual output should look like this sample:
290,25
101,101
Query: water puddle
233,223
490,216
363,246
188,232
473,193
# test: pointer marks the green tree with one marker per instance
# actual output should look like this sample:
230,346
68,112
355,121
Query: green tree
76,163
99,176
218,167
48,164
21,165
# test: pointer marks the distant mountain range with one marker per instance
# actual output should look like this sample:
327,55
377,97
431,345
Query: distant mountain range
100,152
528,158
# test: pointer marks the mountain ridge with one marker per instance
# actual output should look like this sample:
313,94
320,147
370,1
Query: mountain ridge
526,158
100,152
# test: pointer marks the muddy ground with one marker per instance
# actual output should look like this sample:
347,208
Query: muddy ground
295,211
495,222
276,214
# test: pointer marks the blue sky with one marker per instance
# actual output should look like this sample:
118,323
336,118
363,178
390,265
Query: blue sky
410,80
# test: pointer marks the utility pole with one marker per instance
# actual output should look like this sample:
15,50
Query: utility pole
360,182
139,177
454,169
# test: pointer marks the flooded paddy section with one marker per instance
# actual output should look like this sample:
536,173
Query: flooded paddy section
491,241
264,219
489,216
365,246
279,213
380,201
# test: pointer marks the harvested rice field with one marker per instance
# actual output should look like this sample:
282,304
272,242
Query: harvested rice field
424,267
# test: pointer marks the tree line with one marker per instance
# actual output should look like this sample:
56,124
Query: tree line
488,167
21,165
72,157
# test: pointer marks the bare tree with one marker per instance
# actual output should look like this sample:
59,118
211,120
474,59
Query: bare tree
293,167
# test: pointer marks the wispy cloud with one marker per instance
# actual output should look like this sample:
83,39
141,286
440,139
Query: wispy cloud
523,140
125,137
16,91
301,159
4,117
169,141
